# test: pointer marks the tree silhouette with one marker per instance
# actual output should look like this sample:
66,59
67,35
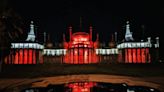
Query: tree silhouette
11,29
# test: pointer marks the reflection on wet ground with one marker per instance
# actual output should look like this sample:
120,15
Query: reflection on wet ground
91,87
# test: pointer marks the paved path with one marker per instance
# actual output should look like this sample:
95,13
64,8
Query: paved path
155,82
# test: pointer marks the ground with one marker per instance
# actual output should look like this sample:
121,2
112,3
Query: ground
40,75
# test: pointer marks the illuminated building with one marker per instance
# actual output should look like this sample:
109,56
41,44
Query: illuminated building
81,49
28,52
134,52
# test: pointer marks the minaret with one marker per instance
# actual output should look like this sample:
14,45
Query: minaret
112,43
45,37
157,42
70,33
49,44
64,40
115,33
31,35
80,24
128,34
97,37
90,29
143,33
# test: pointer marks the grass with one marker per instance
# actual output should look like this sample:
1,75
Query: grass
46,70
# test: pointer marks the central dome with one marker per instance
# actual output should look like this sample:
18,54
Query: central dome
80,36
80,33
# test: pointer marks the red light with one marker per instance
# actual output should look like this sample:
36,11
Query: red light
81,86
80,50
25,56
134,56
139,55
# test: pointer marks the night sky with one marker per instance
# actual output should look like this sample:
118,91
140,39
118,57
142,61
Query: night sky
106,17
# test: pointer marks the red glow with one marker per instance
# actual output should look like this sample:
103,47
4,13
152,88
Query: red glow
148,55
120,57
130,55
29,57
126,56
81,50
81,86
143,55
140,55
134,56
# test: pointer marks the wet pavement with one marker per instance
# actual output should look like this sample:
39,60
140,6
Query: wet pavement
17,84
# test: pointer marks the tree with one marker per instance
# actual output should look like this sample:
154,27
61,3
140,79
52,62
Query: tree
11,29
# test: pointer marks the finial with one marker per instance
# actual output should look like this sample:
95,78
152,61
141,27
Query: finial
32,22
127,22
90,29
64,37
80,23
112,38
70,33
97,37
70,27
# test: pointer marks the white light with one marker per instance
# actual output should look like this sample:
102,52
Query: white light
130,90
64,51
97,51
151,89
108,51
48,52
57,52
124,84
27,45
116,50
53,52
44,52
103,51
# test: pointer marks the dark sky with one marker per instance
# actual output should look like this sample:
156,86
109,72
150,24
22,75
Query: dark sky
106,16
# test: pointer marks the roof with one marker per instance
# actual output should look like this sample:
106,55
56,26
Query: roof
27,45
80,33
134,45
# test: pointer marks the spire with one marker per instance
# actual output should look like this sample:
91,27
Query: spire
157,42
48,38
143,32
31,35
115,33
44,37
112,43
80,23
128,34
97,37
64,40
70,33
49,44
90,29
112,38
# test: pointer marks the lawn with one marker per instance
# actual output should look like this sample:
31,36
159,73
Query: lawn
46,70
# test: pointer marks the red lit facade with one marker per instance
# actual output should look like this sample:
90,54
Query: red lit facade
80,48
25,53
137,55
135,52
